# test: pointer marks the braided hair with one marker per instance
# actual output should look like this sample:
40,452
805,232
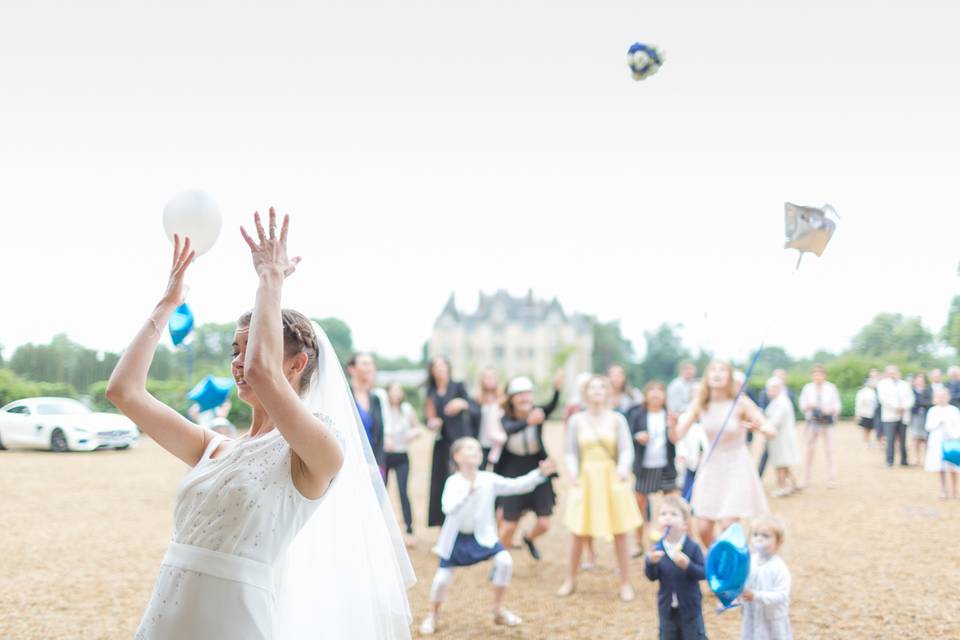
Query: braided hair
298,337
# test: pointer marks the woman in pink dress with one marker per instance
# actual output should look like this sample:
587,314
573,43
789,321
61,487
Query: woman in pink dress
727,487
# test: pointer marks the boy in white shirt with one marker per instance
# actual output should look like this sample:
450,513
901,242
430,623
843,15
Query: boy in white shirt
469,533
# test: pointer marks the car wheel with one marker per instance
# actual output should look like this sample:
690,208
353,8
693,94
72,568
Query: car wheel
122,447
2,448
58,441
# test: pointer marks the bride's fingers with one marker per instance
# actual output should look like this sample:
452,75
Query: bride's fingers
176,249
273,223
186,263
249,240
284,228
183,258
256,220
184,252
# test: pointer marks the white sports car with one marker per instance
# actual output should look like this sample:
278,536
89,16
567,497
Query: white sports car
62,424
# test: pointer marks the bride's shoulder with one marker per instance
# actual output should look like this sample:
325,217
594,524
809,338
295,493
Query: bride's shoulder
330,424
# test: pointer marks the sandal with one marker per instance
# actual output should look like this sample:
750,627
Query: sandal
506,618
566,589
429,626
534,552
627,594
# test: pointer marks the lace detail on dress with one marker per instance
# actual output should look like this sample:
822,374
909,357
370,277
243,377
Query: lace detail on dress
330,424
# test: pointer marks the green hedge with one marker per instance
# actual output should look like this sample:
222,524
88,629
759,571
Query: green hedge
13,387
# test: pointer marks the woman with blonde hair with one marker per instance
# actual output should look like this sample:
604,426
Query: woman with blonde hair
727,486
599,456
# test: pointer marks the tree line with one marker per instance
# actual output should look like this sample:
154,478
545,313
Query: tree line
65,368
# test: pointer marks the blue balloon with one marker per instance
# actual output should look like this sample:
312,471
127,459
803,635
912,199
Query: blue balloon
951,451
181,323
644,60
728,564
211,392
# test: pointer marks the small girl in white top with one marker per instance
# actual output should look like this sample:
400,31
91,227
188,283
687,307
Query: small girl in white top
469,533
490,398
766,596
942,423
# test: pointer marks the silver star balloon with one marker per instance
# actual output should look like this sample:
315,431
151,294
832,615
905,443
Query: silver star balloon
808,229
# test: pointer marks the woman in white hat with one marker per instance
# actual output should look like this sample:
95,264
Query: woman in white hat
522,453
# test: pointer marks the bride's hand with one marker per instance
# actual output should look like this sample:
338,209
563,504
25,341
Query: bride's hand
271,252
182,258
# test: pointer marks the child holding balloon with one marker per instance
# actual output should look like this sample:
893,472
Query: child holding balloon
766,595
677,563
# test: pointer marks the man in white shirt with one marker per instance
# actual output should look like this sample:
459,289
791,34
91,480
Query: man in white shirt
820,403
896,400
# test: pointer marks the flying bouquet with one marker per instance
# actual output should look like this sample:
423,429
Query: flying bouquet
644,60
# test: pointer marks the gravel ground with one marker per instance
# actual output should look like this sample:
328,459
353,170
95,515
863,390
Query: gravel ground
876,557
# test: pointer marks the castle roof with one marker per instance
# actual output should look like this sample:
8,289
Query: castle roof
502,308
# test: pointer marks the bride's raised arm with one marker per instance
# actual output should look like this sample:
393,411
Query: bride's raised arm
127,388
317,453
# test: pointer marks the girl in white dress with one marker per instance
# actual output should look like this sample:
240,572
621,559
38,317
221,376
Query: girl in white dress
782,448
766,596
942,422
258,519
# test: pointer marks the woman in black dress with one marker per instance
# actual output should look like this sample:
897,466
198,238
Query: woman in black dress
451,414
522,453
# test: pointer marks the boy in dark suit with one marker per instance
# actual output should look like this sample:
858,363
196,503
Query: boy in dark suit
677,563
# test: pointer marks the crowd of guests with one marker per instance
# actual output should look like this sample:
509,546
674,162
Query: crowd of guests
923,408
690,445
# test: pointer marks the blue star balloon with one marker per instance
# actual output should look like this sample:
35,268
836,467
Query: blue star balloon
211,392
644,60
728,564
181,323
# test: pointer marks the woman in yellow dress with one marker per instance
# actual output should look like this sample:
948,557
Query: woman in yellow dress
600,504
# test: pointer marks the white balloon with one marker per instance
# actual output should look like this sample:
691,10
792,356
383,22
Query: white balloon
193,214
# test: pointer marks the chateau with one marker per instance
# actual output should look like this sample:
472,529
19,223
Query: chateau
516,336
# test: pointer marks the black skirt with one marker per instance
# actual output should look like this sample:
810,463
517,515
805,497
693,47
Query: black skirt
654,480
541,500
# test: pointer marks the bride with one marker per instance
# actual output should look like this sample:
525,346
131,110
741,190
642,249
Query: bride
285,532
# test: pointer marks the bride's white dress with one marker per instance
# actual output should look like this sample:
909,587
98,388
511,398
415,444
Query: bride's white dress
235,516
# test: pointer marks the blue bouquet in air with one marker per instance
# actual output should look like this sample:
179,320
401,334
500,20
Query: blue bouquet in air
644,60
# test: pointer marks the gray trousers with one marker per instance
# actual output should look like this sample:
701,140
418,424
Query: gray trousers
893,431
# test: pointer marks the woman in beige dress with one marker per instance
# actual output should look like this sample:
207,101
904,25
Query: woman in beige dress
727,487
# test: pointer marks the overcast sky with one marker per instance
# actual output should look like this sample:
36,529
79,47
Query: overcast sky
422,148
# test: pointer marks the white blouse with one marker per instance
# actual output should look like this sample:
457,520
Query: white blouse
655,453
